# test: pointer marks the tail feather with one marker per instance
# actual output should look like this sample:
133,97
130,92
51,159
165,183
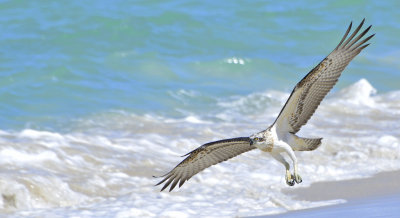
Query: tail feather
306,144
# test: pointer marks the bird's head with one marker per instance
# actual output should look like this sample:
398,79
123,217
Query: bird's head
257,138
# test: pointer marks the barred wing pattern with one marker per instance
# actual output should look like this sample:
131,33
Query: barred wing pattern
204,157
309,92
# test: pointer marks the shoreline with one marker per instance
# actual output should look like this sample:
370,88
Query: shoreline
380,184
374,196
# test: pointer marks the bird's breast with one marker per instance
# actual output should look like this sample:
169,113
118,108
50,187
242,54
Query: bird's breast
266,148
267,145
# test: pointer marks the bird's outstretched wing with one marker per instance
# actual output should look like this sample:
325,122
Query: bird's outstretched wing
205,156
309,92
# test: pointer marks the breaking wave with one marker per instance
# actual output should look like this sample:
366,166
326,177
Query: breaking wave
104,165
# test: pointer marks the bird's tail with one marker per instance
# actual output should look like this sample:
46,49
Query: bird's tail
306,144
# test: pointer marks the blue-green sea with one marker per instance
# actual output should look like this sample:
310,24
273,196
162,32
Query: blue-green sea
98,96
66,60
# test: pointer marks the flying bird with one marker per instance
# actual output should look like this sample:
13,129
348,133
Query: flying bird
280,137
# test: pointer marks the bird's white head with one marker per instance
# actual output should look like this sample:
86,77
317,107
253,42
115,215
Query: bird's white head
257,138
262,140
263,137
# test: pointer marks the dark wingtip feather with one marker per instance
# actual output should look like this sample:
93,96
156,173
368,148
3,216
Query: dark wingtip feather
361,24
159,176
352,35
160,182
162,175
356,47
174,184
369,37
163,188
167,184
163,180
181,183
364,46
348,42
358,50
345,35
358,38
172,179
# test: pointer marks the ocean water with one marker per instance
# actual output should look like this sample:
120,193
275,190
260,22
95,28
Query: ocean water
97,97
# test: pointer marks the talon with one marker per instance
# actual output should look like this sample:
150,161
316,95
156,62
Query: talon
297,178
289,179
290,183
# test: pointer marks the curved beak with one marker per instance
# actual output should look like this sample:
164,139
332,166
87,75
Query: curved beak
251,141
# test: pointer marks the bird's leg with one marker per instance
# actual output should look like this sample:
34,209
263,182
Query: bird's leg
292,156
289,177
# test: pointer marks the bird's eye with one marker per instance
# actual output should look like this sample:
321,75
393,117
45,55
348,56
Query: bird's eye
256,139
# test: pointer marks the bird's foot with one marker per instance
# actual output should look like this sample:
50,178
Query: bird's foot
297,178
289,178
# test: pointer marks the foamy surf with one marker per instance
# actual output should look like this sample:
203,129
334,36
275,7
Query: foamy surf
104,165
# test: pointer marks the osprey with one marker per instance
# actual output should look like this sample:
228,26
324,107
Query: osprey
281,136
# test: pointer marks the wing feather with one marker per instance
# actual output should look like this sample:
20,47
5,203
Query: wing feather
311,90
204,157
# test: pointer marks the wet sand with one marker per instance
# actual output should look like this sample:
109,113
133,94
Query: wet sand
381,184
377,196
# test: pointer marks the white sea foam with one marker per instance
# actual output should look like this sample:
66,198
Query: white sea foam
104,166
235,60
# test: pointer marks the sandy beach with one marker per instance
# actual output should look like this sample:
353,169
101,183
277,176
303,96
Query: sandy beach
377,196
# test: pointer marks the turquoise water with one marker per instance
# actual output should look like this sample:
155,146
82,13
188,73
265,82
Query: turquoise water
69,60
96,97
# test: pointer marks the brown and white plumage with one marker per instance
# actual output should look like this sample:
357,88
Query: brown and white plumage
309,92
204,157
280,136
